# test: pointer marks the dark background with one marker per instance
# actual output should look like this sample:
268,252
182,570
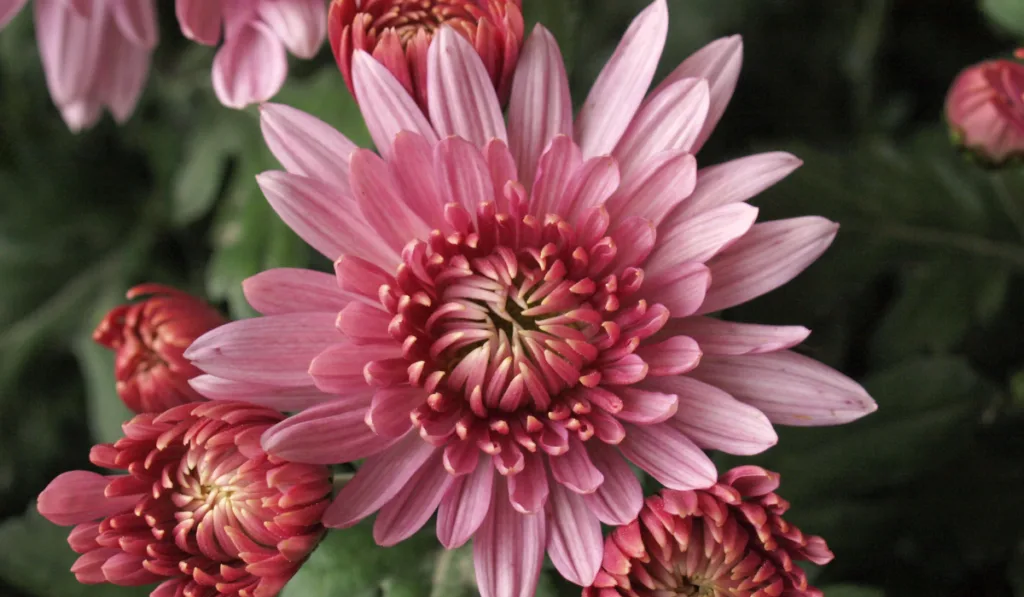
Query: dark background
921,298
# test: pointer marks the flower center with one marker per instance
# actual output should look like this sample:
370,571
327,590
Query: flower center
407,17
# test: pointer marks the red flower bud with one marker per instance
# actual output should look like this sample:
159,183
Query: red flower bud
729,539
149,338
398,32
985,109
200,507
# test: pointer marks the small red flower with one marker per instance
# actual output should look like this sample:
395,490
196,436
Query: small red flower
729,540
398,32
149,338
985,109
201,507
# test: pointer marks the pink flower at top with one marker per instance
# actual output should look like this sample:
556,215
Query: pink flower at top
985,109
95,54
252,64
519,310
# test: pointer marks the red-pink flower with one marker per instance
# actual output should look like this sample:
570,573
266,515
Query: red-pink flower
398,33
149,337
95,54
518,310
729,540
985,109
201,509
252,63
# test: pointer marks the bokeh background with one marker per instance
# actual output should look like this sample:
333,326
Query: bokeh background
921,298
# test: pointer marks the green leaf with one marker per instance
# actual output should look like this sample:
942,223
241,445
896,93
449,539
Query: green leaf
201,177
1008,14
36,559
851,591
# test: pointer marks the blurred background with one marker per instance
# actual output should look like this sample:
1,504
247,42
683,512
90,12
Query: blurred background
921,298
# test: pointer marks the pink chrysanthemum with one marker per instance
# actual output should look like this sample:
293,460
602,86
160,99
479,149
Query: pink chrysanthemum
985,109
729,540
520,310
149,337
202,509
95,54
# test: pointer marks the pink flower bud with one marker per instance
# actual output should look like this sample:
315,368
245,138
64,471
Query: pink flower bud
985,109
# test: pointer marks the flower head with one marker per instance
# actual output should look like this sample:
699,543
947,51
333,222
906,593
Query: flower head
149,337
728,540
201,508
95,54
252,64
519,309
398,33
985,109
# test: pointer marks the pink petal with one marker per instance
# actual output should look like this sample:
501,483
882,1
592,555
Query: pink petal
575,470
655,187
669,120
361,279
790,388
301,24
619,499
9,9
412,167
508,549
735,181
385,104
88,569
528,489
503,170
622,84
200,20
293,290
379,480
462,174
767,257
626,371
715,420
77,497
668,456
329,433
376,192
275,350
460,94
719,62
674,356
363,324
120,81
559,162
646,407
465,505
682,290
278,398
339,368
323,218
389,414
70,47
306,145
81,114
540,107
574,537
634,239
595,181
400,518
250,67
699,238
727,338
136,19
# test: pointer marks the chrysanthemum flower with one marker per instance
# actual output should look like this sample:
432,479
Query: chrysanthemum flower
149,337
95,54
252,64
202,509
519,310
729,540
985,109
398,33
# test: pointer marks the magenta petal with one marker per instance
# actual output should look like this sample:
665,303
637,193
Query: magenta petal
715,420
528,489
728,338
9,9
250,67
460,94
380,478
540,107
619,498
292,290
301,24
620,88
789,388
767,257
306,145
574,537
200,20
329,433
339,368
626,371
700,237
390,410
464,507
575,470
669,456
278,398
508,549
736,181
400,518
77,497
275,350
674,356
88,569
386,105
646,407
